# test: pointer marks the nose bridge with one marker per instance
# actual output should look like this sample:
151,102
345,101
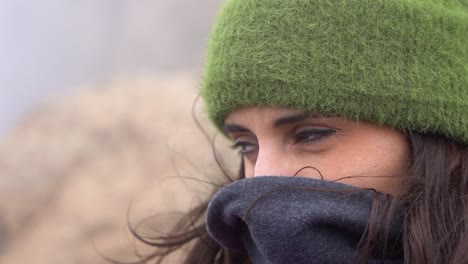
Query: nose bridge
274,160
271,161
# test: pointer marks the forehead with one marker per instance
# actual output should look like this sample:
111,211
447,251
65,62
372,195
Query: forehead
279,116
259,118
258,112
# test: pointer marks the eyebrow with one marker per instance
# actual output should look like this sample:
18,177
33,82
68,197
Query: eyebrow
231,128
291,119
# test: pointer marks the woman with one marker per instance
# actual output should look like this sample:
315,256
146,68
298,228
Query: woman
356,114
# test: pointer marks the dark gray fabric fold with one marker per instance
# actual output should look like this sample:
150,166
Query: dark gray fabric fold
295,220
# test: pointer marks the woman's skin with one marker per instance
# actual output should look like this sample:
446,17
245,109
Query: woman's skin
281,141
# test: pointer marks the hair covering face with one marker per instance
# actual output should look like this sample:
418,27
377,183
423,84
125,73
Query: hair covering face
403,63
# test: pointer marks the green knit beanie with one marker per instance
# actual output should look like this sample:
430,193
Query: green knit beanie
403,63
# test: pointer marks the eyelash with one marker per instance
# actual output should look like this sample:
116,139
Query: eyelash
240,145
316,134
305,136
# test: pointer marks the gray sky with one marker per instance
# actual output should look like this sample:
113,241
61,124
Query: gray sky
49,47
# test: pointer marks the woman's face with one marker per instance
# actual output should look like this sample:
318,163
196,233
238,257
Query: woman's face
286,142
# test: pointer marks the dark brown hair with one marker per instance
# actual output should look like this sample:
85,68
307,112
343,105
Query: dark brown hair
434,196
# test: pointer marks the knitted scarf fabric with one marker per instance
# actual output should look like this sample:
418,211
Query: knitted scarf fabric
278,220
403,63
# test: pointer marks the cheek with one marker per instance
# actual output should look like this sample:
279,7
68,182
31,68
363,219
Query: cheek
391,156
369,164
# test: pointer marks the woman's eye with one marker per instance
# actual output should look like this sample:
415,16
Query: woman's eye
314,134
245,147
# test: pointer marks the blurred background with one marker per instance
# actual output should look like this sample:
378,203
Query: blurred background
96,122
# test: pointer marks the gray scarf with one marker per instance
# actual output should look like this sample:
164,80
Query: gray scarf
296,220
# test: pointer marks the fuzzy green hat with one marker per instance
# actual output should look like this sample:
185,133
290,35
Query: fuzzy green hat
403,63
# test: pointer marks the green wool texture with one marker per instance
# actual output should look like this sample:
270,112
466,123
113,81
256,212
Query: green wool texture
402,63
